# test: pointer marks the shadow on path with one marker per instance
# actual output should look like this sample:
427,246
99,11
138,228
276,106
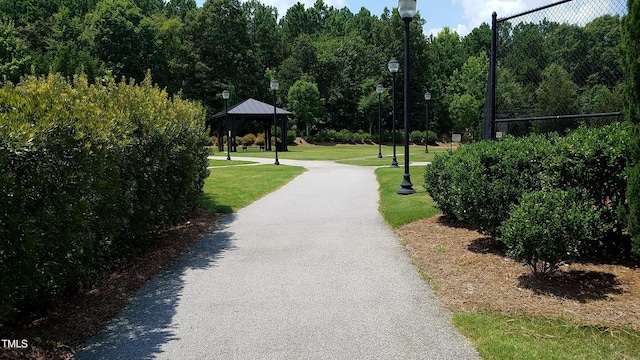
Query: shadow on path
141,330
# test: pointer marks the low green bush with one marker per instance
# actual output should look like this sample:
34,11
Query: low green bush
417,137
88,173
433,138
291,136
551,226
480,183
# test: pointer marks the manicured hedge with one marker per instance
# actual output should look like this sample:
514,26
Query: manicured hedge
551,226
480,183
88,173
630,45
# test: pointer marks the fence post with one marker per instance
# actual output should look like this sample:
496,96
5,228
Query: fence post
490,104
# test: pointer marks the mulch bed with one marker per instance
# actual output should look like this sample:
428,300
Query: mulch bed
85,312
471,273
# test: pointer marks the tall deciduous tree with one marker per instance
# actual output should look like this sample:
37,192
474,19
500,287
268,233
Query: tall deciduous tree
556,95
265,33
14,57
221,52
116,38
304,102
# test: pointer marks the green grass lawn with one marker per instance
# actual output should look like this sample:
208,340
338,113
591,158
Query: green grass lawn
524,337
214,163
342,152
229,189
396,209
495,336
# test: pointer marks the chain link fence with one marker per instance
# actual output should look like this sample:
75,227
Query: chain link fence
555,67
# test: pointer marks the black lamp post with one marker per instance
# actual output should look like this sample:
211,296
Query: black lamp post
407,9
379,90
427,98
225,96
274,88
394,66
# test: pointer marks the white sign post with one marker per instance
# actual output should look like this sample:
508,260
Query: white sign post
455,138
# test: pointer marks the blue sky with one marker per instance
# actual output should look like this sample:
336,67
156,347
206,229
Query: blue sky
459,15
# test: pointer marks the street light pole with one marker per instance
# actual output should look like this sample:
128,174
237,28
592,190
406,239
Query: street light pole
393,66
274,88
225,96
407,9
427,97
379,90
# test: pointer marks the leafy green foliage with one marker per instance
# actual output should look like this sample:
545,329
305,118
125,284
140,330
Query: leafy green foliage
550,226
556,95
631,49
89,171
480,183
304,101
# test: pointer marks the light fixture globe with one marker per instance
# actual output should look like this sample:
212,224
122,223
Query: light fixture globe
379,89
393,66
225,95
427,96
407,8
274,85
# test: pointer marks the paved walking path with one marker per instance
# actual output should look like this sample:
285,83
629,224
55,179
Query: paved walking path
310,271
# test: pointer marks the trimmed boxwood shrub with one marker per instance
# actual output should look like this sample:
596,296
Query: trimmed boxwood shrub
417,137
291,136
478,183
551,226
481,183
88,173
630,46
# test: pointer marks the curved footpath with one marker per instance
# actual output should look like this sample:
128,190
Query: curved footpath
310,271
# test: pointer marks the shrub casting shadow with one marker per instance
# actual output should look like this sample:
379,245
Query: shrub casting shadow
582,286
146,324
454,223
488,245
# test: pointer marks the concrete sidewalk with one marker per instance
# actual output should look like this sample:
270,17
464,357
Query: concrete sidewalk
310,271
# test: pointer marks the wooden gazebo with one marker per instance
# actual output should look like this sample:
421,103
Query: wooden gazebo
252,109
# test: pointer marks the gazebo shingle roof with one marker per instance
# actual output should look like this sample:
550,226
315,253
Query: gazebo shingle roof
252,108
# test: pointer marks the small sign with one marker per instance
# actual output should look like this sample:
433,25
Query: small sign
499,135
456,137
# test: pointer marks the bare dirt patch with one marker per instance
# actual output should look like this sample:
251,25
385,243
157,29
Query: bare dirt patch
470,273
67,323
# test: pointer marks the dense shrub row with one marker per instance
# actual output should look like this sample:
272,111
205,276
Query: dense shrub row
88,172
630,47
345,136
482,184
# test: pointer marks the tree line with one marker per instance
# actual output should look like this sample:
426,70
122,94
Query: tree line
328,60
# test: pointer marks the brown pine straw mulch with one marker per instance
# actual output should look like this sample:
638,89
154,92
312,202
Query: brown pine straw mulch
470,273
84,313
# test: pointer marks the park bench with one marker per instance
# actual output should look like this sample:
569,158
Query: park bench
245,147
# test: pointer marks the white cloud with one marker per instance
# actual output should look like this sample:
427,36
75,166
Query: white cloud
461,30
578,11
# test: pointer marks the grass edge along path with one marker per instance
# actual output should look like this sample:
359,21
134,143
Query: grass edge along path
506,336
229,189
398,210
498,336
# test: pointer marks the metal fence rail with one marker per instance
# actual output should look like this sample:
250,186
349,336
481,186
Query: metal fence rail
554,67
